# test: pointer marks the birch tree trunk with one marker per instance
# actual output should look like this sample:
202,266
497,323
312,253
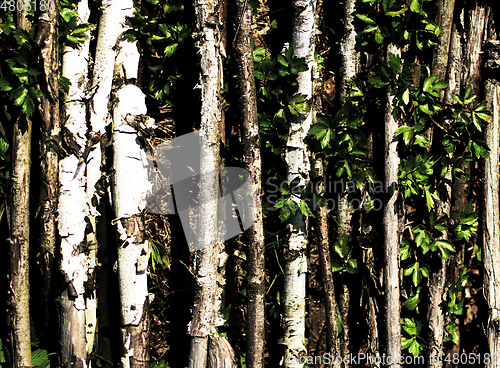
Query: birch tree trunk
253,163
111,21
46,38
113,14
20,230
73,208
131,187
344,217
491,217
211,256
297,159
392,222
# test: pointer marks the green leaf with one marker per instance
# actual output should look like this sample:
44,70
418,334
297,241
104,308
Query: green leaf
425,272
4,85
440,85
282,60
336,266
429,82
19,95
425,108
365,19
458,99
468,92
76,39
370,28
412,303
415,6
417,276
352,266
406,96
82,28
445,244
304,209
414,348
318,130
170,49
444,253
405,343
28,106
284,213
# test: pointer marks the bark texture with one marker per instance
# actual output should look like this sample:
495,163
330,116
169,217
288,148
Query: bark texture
459,201
437,278
297,159
348,67
47,36
392,229
20,230
491,203
76,250
253,163
321,223
211,257
131,188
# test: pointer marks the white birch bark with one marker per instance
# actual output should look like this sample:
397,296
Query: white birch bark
110,27
130,190
77,259
211,257
392,229
297,159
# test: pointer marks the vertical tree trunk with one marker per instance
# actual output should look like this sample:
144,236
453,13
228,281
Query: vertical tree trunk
131,186
321,223
253,163
111,21
392,222
454,82
490,214
348,65
73,207
47,37
297,159
322,228
20,230
211,255
437,279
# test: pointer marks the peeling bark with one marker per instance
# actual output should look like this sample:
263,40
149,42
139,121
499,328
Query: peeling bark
211,257
392,222
130,190
253,163
297,159
76,262
491,202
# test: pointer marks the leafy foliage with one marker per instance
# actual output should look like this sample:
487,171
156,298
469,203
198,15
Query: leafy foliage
19,66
